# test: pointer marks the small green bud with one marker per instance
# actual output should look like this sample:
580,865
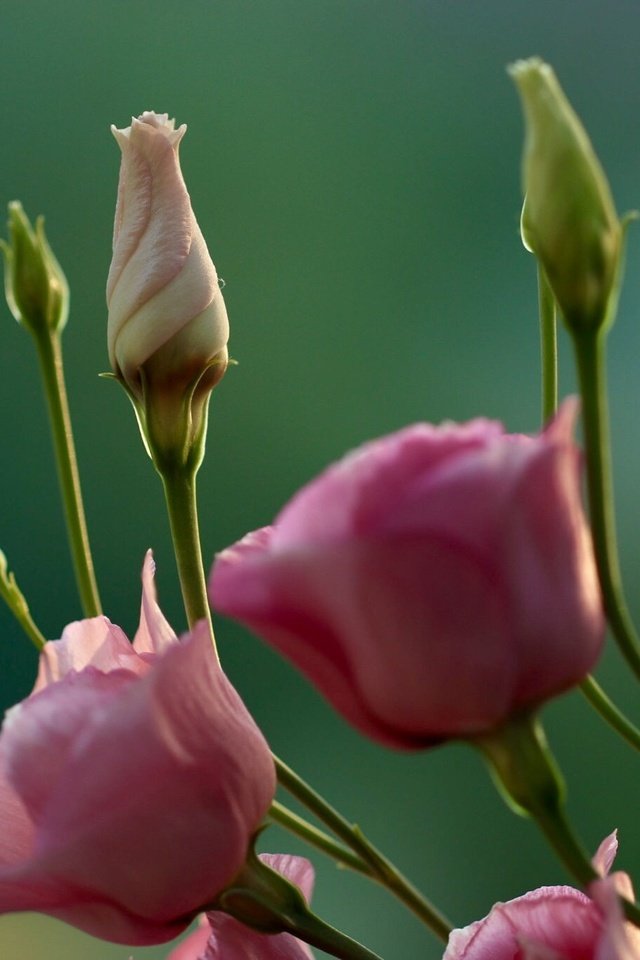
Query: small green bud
569,219
35,286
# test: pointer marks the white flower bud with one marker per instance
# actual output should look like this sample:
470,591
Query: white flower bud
168,328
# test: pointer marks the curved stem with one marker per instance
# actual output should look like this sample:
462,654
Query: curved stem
529,778
180,495
265,900
590,355
321,934
14,599
281,815
548,346
609,712
50,357
380,868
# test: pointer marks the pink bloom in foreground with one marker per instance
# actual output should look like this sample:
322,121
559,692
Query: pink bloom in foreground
431,583
555,923
131,780
220,937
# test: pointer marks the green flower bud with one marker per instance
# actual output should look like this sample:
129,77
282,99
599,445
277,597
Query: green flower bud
569,219
35,286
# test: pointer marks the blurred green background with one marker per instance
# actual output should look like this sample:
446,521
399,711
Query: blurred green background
354,165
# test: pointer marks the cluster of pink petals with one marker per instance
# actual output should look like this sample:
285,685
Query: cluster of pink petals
556,923
220,937
131,780
432,583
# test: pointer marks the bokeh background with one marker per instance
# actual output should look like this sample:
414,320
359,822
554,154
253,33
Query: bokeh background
354,165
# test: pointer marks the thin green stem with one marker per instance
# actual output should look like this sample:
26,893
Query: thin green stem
14,598
319,933
265,900
381,869
50,357
297,825
530,780
180,495
609,712
548,346
590,355
556,828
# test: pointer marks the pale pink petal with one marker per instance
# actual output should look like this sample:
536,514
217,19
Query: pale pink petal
94,643
536,951
559,919
154,634
606,854
193,947
620,939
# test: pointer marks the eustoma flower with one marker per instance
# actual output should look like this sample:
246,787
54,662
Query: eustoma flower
168,327
131,780
220,937
555,923
432,583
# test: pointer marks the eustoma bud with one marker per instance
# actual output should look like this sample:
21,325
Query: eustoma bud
36,288
433,583
168,327
569,219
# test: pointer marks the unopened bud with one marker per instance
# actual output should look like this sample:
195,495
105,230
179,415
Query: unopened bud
168,328
35,286
569,219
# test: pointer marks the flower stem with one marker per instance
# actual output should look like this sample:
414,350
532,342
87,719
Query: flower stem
380,869
14,598
49,349
180,494
317,932
297,825
590,355
609,712
548,346
265,900
530,781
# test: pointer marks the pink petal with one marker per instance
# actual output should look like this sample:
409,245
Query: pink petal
154,634
606,854
134,781
193,946
96,643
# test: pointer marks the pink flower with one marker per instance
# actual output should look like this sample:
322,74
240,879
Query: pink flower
432,583
555,923
167,317
131,780
220,937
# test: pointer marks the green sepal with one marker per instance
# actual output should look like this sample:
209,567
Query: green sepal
36,288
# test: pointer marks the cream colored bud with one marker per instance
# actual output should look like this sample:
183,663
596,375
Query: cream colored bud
569,219
167,318
168,328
